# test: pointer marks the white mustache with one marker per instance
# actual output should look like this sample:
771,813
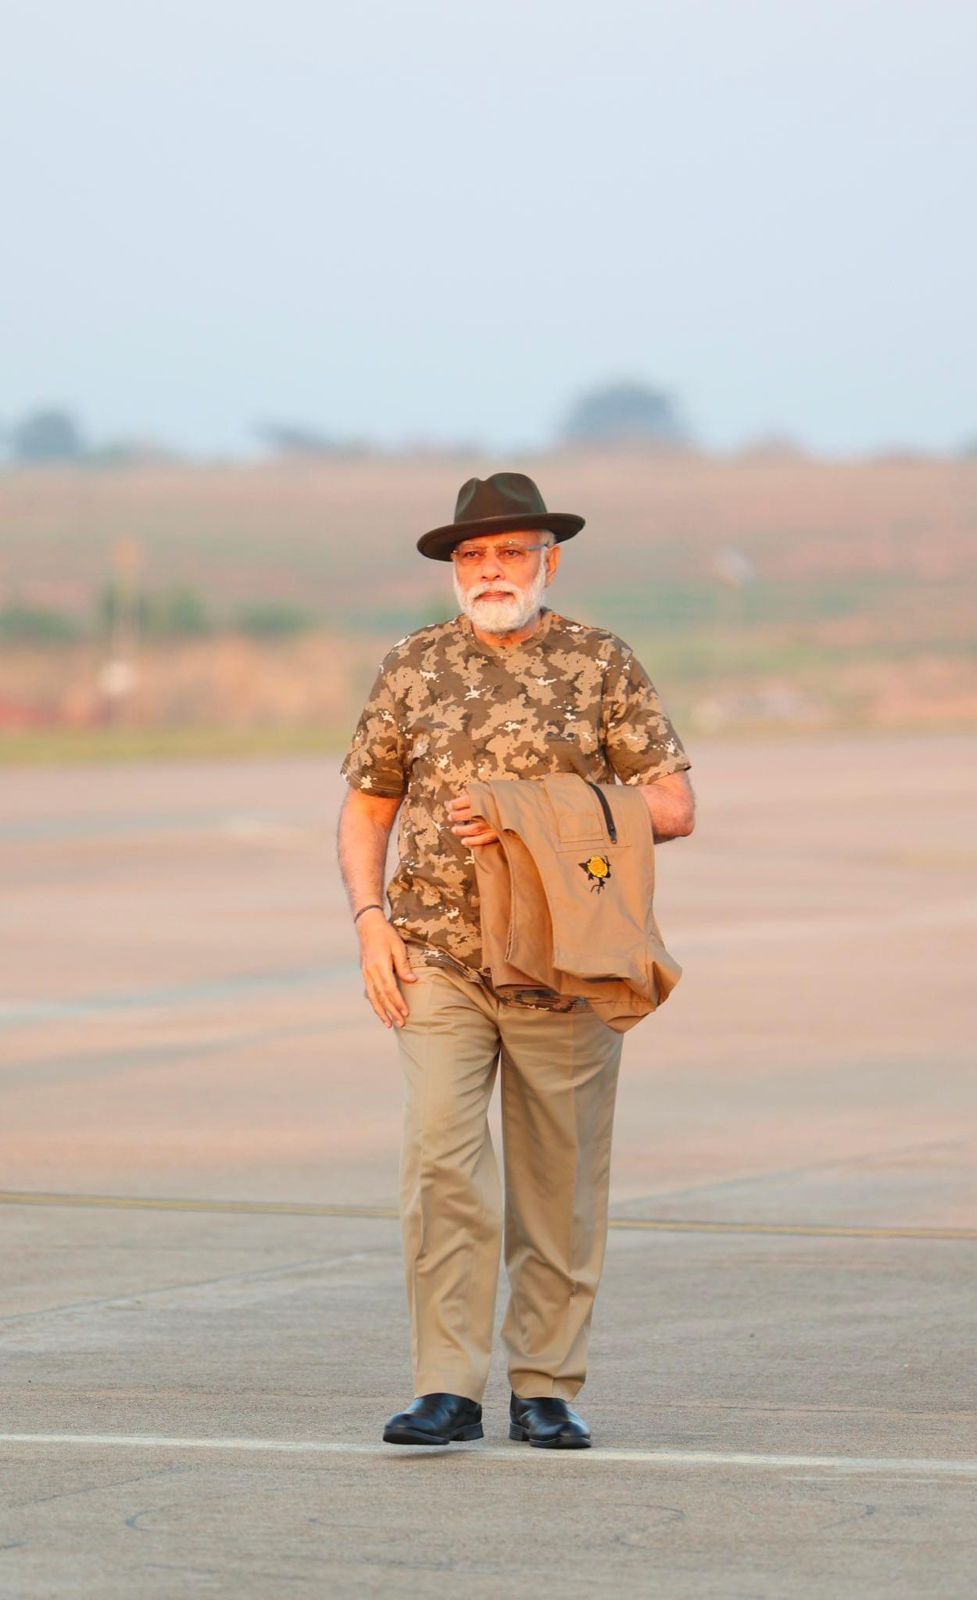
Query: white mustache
494,588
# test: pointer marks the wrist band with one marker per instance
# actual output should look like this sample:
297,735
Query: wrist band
374,907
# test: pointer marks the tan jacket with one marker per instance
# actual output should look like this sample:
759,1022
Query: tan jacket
566,894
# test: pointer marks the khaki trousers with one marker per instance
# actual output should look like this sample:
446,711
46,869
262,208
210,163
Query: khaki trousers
558,1087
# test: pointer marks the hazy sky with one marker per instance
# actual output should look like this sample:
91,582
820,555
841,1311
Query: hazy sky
436,219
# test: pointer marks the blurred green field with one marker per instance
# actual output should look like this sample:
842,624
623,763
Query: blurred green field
763,594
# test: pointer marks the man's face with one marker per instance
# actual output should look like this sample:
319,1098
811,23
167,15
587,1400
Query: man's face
499,578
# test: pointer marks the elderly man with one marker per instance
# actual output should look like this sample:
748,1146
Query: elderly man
506,689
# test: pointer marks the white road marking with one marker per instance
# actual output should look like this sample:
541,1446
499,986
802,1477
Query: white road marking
874,1465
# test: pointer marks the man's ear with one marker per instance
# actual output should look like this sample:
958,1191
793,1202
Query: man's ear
552,562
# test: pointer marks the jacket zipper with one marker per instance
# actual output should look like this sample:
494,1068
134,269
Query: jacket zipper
611,828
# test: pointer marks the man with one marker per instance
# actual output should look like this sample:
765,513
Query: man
506,689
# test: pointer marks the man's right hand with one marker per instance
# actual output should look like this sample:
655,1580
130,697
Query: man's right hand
383,959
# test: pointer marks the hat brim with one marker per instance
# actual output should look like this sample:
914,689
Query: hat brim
439,543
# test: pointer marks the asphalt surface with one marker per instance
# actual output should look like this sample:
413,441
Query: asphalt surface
202,1325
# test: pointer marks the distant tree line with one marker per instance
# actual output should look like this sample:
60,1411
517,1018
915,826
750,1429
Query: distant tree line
627,412
53,436
612,414
174,612
46,435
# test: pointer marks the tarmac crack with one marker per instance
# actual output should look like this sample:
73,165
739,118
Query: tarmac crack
96,1488
263,1274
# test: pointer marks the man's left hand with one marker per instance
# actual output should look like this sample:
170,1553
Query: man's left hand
470,829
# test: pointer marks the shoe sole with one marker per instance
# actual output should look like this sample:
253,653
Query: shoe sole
522,1437
473,1430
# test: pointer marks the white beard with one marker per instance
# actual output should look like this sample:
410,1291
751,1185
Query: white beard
502,616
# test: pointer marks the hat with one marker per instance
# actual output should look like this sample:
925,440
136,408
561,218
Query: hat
502,503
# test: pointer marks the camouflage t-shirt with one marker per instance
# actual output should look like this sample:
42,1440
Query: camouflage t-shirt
446,709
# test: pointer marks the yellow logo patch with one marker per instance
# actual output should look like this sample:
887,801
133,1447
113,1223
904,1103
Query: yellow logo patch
598,870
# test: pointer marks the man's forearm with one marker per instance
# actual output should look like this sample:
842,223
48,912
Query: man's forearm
672,806
364,828
362,840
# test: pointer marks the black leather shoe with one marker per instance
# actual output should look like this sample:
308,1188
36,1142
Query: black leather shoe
547,1422
435,1419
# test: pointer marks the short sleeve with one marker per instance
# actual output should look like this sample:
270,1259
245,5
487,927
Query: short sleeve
376,760
640,741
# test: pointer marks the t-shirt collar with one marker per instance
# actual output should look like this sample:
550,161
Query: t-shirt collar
504,654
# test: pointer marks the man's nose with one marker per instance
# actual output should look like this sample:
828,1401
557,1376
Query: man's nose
491,566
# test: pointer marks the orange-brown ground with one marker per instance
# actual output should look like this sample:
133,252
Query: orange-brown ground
782,1378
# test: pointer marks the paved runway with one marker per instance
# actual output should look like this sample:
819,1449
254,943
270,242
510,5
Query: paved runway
201,1318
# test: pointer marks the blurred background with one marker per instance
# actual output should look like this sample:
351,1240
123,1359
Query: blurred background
277,282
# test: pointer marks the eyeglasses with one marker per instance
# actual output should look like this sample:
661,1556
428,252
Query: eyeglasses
510,555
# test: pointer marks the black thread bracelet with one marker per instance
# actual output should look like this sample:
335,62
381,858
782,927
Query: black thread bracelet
374,907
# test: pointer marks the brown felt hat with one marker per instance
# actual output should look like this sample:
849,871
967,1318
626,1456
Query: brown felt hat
502,503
